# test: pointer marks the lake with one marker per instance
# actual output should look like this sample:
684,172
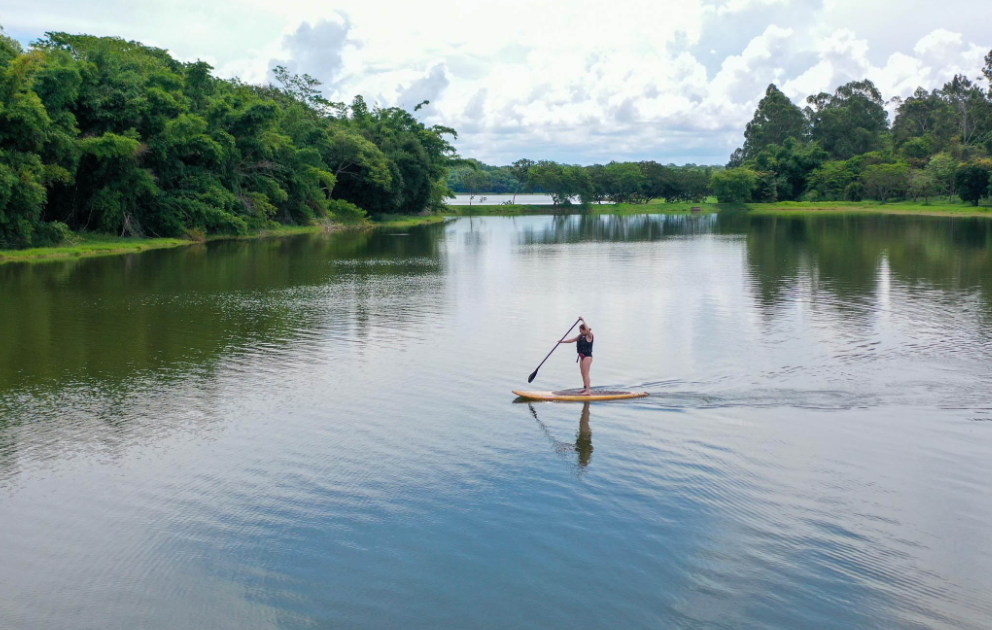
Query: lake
318,431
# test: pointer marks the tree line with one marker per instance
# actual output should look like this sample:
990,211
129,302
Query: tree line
102,134
616,182
841,146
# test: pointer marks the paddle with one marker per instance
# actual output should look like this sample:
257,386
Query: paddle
531,378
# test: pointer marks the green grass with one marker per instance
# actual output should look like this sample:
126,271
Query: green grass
90,245
936,207
402,221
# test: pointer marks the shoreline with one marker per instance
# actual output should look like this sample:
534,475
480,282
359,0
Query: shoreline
98,245
93,245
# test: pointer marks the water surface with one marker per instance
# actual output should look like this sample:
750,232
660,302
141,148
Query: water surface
318,431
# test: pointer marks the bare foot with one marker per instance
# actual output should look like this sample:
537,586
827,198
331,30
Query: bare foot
585,392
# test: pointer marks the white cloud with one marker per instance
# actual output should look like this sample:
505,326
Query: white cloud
740,6
574,80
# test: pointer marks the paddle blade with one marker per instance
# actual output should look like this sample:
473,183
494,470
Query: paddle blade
530,379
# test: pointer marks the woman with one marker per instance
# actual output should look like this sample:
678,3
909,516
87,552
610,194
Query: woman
584,348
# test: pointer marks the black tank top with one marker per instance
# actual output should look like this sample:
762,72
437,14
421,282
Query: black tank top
584,346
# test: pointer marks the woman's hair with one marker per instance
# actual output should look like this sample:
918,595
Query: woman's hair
583,327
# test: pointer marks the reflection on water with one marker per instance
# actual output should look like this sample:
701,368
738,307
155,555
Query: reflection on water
583,439
319,431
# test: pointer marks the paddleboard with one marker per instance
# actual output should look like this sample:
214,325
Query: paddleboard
572,395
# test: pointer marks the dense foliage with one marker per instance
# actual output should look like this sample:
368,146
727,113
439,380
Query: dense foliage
102,134
841,147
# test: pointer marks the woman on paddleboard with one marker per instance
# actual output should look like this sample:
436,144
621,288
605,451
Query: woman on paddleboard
584,347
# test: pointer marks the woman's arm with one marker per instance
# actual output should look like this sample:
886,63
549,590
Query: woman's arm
588,327
572,340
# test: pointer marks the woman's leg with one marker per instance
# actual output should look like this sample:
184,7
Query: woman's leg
584,366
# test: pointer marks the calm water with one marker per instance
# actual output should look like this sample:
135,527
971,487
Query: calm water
318,432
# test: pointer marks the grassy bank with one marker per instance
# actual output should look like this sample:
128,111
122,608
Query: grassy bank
89,244
401,221
936,208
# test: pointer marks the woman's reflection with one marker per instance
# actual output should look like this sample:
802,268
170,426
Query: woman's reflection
583,439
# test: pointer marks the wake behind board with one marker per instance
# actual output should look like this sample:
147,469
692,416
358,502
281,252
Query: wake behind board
572,395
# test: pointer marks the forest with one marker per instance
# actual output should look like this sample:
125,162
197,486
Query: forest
99,134
105,135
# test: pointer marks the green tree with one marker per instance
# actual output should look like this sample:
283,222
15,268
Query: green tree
831,179
776,120
922,184
790,166
563,182
883,181
624,182
521,169
972,181
944,170
734,185
969,106
850,122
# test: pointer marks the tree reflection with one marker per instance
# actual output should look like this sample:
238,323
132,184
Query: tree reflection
578,228
837,258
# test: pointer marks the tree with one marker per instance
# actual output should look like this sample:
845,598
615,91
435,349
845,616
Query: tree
969,106
972,181
563,182
688,184
944,169
832,179
734,185
776,120
736,158
658,180
477,181
790,166
520,170
883,181
921,184
624,182
923,119
850,122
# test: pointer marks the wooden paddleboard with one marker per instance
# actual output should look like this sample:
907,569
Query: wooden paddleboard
572,395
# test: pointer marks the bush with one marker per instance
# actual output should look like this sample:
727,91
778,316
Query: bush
345,211
54,233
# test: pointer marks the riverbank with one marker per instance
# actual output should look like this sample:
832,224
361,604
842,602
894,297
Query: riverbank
89,245
936,208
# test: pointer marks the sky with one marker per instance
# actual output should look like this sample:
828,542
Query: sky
578,81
